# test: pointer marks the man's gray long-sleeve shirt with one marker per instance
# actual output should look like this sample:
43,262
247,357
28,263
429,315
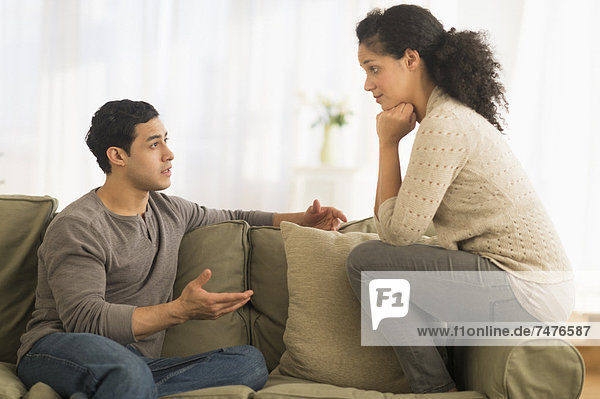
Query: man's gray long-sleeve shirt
95,267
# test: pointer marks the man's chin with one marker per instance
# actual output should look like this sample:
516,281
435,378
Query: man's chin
161,187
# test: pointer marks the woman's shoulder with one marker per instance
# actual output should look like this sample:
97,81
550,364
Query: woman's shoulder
442,106
445,113
443,116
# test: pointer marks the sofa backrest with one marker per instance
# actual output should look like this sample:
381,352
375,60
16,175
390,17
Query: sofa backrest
241,257
264,269
23,221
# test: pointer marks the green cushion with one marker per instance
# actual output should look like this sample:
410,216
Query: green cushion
527,371
528,374
268,278
282,387
24,220
359,226
223,249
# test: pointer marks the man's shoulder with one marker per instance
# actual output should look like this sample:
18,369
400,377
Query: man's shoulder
85,204
79,224
82,212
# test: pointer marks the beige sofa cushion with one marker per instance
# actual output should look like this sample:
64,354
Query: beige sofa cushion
41,391
222,248
24,221
322,335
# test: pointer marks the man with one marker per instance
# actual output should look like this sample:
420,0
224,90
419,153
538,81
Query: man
106,271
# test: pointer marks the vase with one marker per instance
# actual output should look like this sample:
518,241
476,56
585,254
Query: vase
326,155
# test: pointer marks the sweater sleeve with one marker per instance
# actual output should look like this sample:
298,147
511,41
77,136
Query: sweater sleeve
439,152
73,257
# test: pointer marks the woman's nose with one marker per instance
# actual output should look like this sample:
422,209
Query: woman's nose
368,85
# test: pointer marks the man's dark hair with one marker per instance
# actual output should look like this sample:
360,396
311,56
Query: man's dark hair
113,125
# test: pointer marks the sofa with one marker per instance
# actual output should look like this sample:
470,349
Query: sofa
303,320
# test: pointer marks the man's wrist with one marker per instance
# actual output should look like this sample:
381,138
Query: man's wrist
297,218
177,311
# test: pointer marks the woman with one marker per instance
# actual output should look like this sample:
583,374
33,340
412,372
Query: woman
463,177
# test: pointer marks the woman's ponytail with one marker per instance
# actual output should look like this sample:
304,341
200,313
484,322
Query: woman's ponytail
463,65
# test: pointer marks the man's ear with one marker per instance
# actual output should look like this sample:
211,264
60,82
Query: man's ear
412,59
116,156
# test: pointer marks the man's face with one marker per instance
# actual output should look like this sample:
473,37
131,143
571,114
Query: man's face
149,163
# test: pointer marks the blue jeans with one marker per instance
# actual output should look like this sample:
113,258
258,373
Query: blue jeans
101,368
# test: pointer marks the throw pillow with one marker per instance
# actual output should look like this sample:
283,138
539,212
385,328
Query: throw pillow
322,335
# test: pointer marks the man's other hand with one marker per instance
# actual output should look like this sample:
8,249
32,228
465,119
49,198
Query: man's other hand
323,217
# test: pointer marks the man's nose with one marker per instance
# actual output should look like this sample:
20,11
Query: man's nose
169,155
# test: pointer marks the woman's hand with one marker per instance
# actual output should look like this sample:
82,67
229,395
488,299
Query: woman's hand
396,123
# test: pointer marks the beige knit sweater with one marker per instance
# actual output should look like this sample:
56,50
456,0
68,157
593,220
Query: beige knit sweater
463,176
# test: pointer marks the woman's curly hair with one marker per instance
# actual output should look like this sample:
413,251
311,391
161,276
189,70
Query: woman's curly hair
461,63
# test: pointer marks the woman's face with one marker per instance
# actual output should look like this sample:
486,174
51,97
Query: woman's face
387,78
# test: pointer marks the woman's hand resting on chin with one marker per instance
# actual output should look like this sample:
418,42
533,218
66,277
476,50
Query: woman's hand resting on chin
396,123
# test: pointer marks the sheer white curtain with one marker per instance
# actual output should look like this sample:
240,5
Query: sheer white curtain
233,81
555,131
551,57
230,79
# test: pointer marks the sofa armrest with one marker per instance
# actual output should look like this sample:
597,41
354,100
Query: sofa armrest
524,371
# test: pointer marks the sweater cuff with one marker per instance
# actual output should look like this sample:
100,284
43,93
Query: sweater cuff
119,323
260,218
385,211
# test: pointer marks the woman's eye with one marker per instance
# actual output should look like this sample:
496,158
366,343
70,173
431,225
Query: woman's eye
374,69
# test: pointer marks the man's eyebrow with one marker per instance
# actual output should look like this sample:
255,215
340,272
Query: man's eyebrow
156,136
